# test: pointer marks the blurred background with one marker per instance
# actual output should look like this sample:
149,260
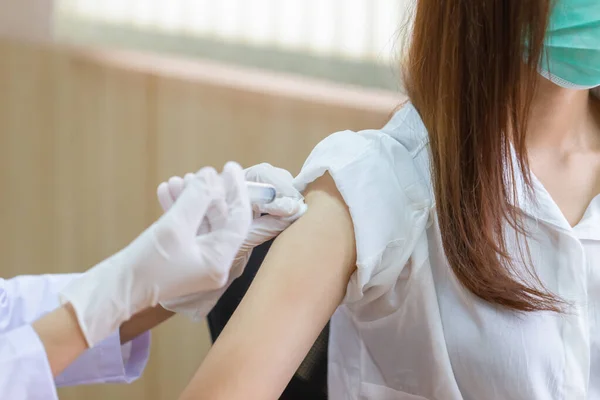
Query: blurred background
100,101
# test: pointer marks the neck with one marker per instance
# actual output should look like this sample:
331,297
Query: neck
563,119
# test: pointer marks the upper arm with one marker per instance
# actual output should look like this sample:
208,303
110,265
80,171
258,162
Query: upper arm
300,284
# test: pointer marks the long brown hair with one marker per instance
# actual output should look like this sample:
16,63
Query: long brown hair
471,73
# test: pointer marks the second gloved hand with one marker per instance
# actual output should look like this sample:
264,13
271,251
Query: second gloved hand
269,221
170,259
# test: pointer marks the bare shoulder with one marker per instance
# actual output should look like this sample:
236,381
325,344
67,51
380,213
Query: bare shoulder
325,201
323,188
327,225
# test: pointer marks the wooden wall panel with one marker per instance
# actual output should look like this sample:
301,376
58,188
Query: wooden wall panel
83,146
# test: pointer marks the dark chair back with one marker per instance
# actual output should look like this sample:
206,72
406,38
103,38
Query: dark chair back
310,380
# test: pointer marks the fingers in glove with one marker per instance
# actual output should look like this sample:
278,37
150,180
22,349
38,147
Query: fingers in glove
198,195
188,178
215,218
278,177
238,201
266,173
169,191
164,196
176,186
284,207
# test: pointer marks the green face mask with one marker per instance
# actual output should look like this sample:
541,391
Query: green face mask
572,51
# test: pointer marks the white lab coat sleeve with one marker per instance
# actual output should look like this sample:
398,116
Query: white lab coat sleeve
24,368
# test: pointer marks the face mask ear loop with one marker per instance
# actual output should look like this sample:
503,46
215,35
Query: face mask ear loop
561,82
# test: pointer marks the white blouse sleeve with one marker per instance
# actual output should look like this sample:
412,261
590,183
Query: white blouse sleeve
388,201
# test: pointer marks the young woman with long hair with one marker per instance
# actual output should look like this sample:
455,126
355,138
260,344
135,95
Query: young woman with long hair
456,250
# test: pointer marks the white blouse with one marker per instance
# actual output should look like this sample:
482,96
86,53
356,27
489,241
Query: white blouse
408,329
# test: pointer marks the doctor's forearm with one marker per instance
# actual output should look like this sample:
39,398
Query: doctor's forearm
143,322
62,338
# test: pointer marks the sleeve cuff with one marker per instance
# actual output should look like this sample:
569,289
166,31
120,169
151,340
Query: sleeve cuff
109,362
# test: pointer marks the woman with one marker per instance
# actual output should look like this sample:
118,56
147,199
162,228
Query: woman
456,250
76,329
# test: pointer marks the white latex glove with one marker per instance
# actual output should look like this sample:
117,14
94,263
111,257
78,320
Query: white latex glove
169,259
280,214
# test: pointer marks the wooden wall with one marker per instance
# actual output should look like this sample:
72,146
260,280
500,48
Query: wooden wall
83,146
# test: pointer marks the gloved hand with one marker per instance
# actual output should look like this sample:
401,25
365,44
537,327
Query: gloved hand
169,259
269,221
